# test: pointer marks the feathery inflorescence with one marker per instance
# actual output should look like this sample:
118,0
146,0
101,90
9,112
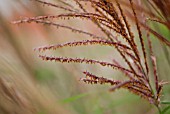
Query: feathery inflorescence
111,19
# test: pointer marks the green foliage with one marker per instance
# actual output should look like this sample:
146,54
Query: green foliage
74,98
166,110
44,74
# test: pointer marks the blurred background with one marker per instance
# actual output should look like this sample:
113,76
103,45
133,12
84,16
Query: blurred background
29,85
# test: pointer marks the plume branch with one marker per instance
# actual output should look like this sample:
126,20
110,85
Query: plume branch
140,36
153,60
85,42
91,78
55,5
87,61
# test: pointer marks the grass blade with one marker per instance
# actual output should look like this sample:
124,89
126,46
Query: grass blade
74,98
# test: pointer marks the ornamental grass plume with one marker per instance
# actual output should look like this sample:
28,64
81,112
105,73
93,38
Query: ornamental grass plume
112,19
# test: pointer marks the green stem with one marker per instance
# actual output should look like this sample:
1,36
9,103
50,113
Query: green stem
159,109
